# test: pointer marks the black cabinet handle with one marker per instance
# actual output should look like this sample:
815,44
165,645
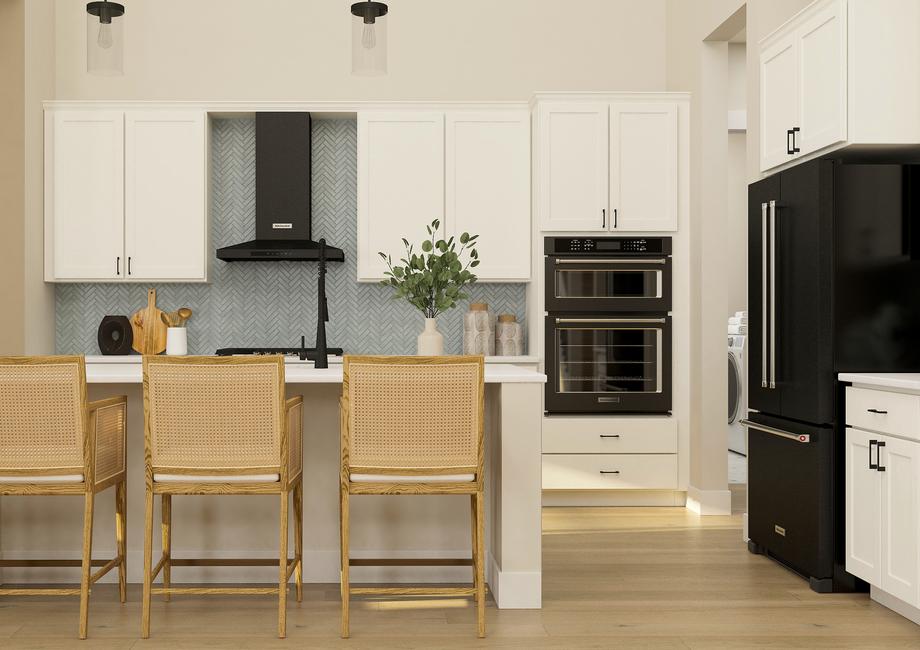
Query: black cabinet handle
610,435
603,217
129,265
872,444
795,149
616,471
878,455
877,411
789,141
614,217
118,265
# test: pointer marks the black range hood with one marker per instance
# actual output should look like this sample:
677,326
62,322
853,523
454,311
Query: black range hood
283,195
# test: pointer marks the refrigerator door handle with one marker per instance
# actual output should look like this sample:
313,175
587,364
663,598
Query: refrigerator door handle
763,295
797,437
773,294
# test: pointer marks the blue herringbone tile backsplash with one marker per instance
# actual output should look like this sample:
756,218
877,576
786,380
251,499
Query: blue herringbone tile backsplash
274,303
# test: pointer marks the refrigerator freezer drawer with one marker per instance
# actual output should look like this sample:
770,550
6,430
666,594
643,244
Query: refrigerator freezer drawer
790,495
876,410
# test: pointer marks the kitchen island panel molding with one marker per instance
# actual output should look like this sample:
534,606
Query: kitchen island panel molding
264,304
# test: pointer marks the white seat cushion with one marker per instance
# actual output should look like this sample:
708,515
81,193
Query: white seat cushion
60,478
399,478
227,478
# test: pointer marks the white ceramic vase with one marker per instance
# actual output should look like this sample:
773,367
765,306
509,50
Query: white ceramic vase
176,341
430,341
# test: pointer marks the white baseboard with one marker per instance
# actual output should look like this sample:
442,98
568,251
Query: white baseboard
895,604
514,589
555,498
709,502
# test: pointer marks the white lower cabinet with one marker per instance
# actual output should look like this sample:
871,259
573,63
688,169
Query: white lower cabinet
883,512
609,471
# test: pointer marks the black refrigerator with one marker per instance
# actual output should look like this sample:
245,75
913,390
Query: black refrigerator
834,286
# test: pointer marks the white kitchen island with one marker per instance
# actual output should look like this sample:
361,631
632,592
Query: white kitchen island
381,526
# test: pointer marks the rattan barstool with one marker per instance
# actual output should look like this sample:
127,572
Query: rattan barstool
54,442
221,425
413,425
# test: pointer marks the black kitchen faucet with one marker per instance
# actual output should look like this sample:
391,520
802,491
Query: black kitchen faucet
322,312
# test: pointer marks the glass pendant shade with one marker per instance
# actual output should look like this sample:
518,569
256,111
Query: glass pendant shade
369,38
104,38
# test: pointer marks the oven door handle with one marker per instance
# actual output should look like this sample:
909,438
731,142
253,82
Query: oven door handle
625,260
610,320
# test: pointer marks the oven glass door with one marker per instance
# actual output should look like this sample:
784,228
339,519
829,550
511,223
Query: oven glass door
609,364
629,284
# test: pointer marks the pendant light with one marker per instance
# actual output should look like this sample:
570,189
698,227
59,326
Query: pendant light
369,38
104,37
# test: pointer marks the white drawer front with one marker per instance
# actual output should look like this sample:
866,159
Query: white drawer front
878,410
609,435
609,471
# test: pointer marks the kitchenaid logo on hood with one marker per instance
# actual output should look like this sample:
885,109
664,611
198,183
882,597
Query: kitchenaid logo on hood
282,226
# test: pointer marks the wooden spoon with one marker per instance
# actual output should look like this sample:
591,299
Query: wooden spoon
165,317
183,314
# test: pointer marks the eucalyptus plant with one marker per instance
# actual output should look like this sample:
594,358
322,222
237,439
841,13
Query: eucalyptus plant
433,278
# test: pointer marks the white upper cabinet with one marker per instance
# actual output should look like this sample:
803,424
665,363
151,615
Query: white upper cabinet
165,196
779,106
488,188
400,183
84,190
643,166
608,166
572,166
822,78
125,196
470,169
840,73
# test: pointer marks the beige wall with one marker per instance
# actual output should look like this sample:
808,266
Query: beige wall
12,179
300,49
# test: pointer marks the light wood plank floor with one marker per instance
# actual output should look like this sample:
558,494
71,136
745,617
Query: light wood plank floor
613,578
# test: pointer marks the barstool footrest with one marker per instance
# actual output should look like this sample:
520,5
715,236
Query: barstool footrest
361,561
40,591
413,591
206,591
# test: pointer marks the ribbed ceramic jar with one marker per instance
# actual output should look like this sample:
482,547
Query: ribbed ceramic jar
509,336
479,330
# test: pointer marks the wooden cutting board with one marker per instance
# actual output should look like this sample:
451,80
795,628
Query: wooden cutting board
148,328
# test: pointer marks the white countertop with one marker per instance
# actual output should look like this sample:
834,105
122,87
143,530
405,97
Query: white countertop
898,380
127,370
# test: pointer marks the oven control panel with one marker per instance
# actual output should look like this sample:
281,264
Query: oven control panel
606,245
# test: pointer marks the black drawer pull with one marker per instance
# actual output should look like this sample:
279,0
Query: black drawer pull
877,411
872,444
878,451
615,471
610,435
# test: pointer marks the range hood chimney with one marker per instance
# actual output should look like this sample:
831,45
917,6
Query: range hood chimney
283,194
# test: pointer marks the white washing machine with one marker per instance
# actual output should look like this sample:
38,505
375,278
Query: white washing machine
737,394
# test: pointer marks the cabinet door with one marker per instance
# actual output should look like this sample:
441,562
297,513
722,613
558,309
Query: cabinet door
488,188
900,518
400,183
822,78
643,166
778,100
84,202
572,166
165,197
863,503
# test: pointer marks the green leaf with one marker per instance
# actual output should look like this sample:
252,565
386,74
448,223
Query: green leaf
474,263
465,237
426,246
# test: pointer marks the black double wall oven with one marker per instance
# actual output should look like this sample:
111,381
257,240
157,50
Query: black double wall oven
608,325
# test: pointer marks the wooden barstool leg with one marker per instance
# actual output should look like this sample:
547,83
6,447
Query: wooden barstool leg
166,530
298,538
87,565
473,535
282,570
343,576
121,511
480,565
148,564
